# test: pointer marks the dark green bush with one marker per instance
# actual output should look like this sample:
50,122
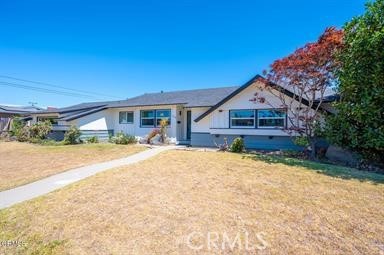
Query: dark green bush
17,125
301,141
121,138
72,136
237,145
359,122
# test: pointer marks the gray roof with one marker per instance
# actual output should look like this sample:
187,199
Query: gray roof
189,98
11,109
211,97
77,107
79,114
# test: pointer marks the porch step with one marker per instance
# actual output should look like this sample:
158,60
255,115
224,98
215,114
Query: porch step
185,142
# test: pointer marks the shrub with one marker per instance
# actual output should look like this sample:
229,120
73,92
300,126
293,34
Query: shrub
163,130
34,133
40,130
72,136
237,145
121,138
153,133
23,134
301,141
224,146
92,139
5,136
17,125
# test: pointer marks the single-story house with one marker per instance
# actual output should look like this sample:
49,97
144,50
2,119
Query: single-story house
200,117
8,112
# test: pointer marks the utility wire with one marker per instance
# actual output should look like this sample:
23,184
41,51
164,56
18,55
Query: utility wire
52,91
60,87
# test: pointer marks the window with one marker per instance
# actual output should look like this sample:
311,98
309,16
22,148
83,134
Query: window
271,118
242,118
125,117
53,120
152,118
148,118
163,115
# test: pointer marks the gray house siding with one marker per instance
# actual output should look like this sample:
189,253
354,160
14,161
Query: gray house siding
56,135
251,141
102,135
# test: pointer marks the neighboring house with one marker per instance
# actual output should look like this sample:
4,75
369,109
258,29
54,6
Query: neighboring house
8,112
198,117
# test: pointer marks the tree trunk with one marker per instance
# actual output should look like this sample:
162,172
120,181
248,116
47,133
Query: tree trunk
312,143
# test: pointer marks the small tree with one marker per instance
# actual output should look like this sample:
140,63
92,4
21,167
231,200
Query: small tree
306,74
163,129
72,135
359,123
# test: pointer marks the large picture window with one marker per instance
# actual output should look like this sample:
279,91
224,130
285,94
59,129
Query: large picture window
271,118
152,118
148,118
242,118
125,117
163,115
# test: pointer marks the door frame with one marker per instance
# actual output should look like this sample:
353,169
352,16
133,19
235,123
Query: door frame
189,124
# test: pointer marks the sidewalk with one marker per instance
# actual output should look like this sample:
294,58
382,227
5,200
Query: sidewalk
46,185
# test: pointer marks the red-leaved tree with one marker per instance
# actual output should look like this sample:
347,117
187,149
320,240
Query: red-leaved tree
306,75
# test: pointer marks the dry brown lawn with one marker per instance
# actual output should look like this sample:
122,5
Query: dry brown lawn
152,208
21,163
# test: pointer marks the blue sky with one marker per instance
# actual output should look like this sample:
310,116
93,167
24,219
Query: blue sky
125,48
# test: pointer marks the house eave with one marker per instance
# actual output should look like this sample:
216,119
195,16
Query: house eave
227,98
249,83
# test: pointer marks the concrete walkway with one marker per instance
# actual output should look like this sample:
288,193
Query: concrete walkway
44,186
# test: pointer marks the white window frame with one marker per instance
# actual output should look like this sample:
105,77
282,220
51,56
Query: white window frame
154,117
147,118
266,118
126,117
160,118
242,118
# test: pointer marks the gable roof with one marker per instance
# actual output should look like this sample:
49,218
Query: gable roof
225,99
328,95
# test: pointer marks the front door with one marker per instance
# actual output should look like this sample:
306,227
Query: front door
188,125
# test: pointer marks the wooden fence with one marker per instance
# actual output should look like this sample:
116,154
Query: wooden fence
4,123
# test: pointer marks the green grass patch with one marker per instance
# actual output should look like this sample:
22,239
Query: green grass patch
323,168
